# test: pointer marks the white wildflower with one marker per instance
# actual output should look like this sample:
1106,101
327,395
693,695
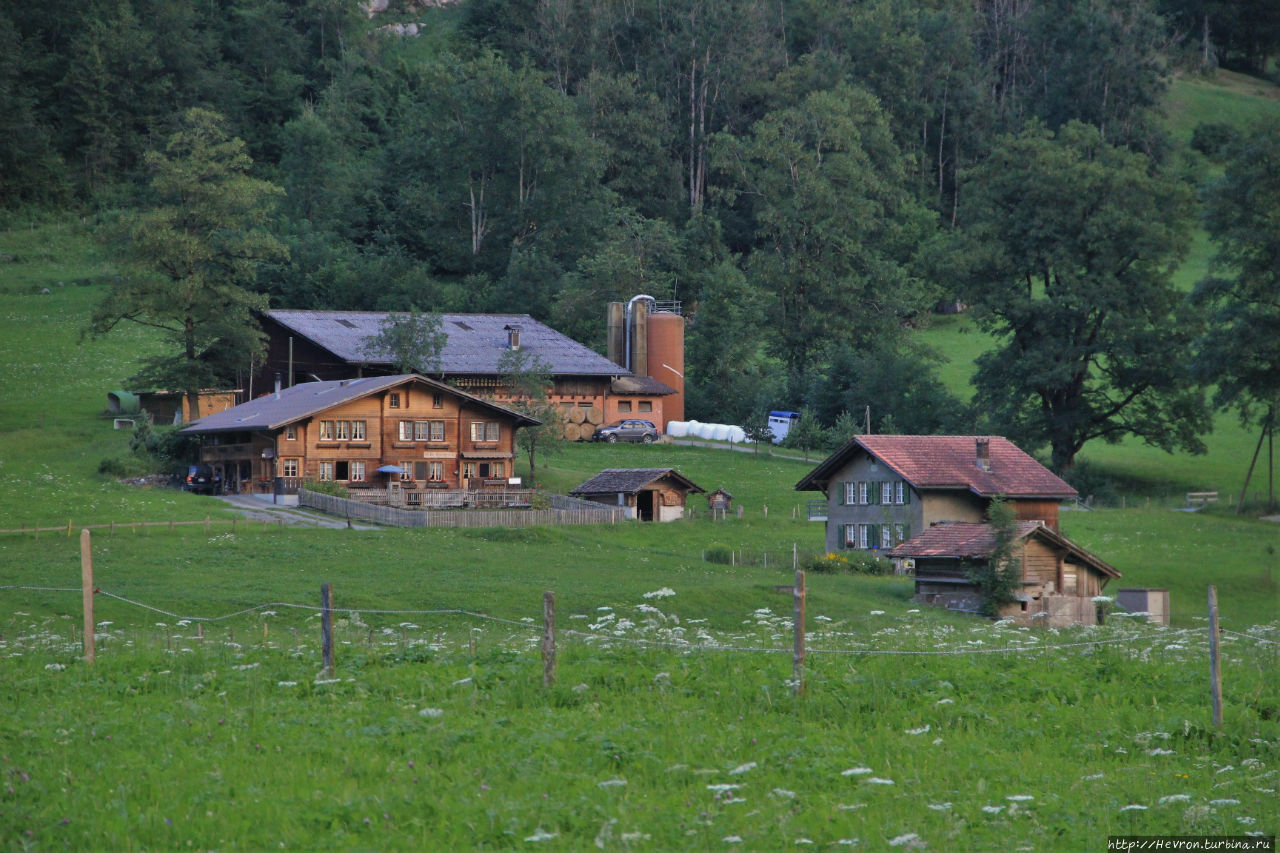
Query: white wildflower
1133,807
920,731
1174,798
541,834
733,800
732,839
940,807
665,592
612,783
286,684
723,788
55,667
877,780
877,612
742,768
460,681
431,713
908,840
1224,802
803,841
856,771
1159,752
993,809
326,681
947,701
784,793
1019,798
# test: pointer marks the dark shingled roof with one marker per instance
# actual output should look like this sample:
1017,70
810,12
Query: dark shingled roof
475,341
270,412
967,540
640,385
949,462
631,480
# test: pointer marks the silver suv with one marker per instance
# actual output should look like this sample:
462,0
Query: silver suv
627,430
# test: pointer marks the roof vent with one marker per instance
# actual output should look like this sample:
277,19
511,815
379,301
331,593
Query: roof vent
347,323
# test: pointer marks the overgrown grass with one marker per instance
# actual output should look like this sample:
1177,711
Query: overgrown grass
419,742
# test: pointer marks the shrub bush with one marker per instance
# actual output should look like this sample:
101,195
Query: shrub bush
718,553
849,562
112,467
326,487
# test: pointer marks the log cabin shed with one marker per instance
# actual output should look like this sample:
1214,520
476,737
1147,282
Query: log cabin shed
649,494
1059,578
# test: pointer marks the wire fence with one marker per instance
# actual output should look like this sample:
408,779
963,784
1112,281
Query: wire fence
706,644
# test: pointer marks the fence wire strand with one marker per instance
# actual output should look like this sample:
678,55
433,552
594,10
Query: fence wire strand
535,630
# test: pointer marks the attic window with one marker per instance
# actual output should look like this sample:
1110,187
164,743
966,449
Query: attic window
347,323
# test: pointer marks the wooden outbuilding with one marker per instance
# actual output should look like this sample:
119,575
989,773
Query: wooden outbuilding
720,501
649,494
1059,578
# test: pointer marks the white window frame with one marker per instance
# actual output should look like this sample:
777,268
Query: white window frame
436,431
358,431
407,473
849,535
864,537
355,471
862,492
850,493
326,472
435,472
486,431
898,491
899,533
291,433
289,467
326,430
886,536
393,400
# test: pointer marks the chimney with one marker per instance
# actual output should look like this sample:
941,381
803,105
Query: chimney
277,385
984,453
513,336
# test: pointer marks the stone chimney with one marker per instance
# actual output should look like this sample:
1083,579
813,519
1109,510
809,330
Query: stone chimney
513,336
984,454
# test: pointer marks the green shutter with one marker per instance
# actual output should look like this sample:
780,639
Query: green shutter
906,492
873,536
873,493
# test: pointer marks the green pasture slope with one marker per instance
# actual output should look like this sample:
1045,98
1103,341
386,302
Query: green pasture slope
671,723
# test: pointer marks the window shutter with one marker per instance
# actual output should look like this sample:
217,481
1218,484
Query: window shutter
873,493
906,492
873,536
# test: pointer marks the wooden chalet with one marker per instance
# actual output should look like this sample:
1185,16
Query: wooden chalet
649,494
405,431
304,346
1059,578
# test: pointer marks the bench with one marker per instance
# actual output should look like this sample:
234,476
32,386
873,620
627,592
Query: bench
1200,499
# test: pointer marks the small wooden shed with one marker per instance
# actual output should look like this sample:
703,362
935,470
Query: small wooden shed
1059,578
720,500
649,494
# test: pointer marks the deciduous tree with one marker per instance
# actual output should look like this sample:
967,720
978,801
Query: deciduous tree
1074,241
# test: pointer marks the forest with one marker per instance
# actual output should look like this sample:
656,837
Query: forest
810,179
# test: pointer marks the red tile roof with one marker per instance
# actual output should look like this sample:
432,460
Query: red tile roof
950,462
955,539
964,540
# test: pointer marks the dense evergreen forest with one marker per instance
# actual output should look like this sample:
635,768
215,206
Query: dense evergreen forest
808,178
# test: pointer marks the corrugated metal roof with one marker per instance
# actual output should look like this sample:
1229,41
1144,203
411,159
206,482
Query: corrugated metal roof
630,480
475,343
950,462
310,398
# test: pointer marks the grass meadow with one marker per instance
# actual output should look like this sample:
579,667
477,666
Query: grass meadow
208,722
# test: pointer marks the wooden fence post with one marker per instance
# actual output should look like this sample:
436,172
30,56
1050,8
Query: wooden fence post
548,638
326,627
797,662
1215,665
86,586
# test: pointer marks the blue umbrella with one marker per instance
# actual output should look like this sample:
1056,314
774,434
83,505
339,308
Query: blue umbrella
391,469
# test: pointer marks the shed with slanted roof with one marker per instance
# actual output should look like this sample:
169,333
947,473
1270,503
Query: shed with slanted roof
1059,579
649,494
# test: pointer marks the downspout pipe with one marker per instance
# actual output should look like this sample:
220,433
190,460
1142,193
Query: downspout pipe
627,323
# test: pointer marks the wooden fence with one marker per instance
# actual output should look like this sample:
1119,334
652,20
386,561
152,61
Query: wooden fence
561,510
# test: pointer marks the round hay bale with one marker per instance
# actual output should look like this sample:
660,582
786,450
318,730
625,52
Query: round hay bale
577,414
572,432
595,414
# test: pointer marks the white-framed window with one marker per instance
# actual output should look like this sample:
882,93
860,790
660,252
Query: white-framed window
326,430
886,536
291,433
437,401
491,470
850,493
469,470
435,471
393,400
899,489
405,431
288,467
485,430
356,470
436,432
407,473
900,533
326,471
357,431
886,493
864,536
849,535
342,430
862,492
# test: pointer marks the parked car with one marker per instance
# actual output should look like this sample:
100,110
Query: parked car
627,430
202,480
